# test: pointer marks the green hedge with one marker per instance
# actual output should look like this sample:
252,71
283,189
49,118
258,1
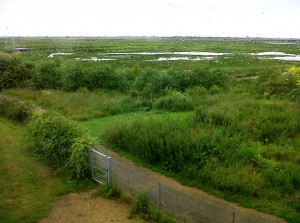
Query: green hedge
63,143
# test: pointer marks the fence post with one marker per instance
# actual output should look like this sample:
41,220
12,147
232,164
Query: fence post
91,156
233,217
109,172
158,197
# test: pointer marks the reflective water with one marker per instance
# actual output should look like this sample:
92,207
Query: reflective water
190,53
182,58
271,54
185,56
292,58
59,54
277,56
96,59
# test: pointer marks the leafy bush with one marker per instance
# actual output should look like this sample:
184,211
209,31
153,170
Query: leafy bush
13,109
140,206
274,82
14,71
48,75
105,77
73,78
63,143
196,91
174,102
113,191
207,78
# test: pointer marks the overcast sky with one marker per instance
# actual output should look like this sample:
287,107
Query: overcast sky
235,18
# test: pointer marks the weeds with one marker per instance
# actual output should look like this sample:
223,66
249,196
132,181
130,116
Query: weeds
14,109
141,207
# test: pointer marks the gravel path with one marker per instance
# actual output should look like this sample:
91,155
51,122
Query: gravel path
187,203
84,207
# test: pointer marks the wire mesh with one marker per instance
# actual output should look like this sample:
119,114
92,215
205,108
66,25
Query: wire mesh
179,201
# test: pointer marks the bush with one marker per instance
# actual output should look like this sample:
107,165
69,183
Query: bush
140,207
196,91
207,78
63,143
73,78
48,75
14,71
274,82
13,109
105,78
175,102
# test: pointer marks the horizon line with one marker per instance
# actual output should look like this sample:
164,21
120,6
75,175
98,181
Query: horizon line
146,36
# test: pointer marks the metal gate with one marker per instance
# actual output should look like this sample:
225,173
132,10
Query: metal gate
100,167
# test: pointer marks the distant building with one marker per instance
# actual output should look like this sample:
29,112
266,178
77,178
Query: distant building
22,49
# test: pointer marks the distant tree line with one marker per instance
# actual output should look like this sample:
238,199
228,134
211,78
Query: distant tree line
52,74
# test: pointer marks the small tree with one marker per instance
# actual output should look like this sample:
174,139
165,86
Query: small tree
14,71
48,76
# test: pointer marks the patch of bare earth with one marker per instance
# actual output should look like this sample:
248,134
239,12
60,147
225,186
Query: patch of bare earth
84,207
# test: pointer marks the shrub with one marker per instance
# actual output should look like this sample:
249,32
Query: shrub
105,78
73,78
196,91
140,207
113,191
48,75
274,82
179,79
63,143
174,102
15,110
14,71
207,78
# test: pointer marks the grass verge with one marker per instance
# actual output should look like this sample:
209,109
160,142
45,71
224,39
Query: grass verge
27,186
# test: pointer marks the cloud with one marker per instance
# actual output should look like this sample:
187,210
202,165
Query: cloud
270,18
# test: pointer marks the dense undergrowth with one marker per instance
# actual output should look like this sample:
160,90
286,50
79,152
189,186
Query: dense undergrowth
245,147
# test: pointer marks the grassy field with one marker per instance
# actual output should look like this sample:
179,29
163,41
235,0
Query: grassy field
229,125
27,186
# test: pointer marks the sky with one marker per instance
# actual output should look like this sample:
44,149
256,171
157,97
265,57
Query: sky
205,18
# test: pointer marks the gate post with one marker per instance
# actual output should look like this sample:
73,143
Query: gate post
233,217
109,172
158,196
91,159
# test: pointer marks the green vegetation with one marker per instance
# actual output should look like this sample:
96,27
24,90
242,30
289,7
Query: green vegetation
63,143
228,125
141,207
27,186
82,104
15,110
14,71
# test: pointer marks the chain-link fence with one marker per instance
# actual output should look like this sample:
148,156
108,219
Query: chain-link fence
189,205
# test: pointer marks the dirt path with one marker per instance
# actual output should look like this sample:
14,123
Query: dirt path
84,207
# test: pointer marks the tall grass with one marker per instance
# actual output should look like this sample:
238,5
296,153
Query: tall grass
240,145
80,105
